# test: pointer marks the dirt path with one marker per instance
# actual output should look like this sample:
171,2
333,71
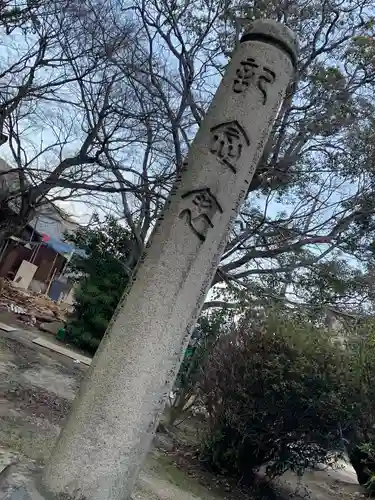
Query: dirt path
37,387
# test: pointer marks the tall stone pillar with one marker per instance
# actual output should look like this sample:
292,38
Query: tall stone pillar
109,432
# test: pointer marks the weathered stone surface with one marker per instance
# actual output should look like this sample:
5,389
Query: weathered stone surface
20,493
100,451
7,459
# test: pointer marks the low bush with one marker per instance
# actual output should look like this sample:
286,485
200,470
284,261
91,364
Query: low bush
280,392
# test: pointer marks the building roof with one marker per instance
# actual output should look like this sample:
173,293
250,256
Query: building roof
54,222
50,219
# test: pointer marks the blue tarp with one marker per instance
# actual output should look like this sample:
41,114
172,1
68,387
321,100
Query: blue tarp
59,246
63,248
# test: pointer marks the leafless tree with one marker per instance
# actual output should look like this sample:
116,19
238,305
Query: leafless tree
307,225
114,111
70,116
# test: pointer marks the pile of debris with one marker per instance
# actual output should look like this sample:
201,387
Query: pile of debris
32,308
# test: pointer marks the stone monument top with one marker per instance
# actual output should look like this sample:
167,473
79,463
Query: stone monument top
274,33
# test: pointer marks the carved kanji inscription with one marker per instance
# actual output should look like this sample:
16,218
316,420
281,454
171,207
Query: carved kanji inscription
250,72
227,142
201,206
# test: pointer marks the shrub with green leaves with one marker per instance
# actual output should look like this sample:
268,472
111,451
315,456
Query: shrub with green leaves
103,278
365,455
361,441
279,391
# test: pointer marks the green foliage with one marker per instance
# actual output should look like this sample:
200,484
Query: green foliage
206,336
367,456
103,278
283,392
203,341
361,443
